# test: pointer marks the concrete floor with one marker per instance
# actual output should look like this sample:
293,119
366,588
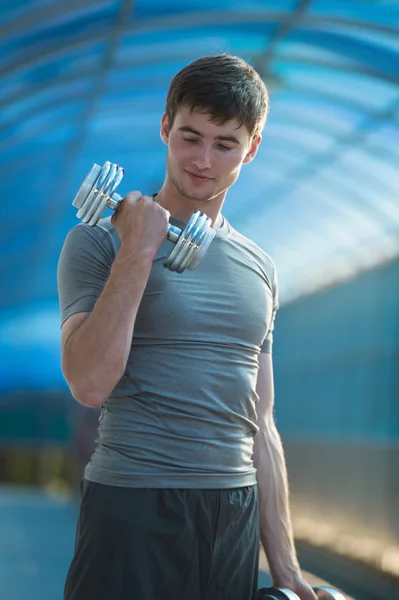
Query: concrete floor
36,540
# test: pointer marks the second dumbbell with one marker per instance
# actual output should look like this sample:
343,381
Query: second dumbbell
322,593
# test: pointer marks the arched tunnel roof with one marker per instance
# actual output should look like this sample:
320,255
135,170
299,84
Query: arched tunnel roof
85,81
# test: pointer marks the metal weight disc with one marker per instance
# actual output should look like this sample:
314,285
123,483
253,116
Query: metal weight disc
204,243
324,592
187,244
96,199
84,211
105,190
274,593
190,242
95,194
114,200
286,594
170,260
86,186
196,240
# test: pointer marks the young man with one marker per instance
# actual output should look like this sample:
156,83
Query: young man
181,367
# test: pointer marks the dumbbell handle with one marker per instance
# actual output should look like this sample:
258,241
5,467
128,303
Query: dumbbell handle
173,233
98,191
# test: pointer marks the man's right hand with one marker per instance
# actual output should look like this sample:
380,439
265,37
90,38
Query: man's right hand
141,223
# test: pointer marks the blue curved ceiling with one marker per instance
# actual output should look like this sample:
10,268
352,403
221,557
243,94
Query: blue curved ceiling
85,81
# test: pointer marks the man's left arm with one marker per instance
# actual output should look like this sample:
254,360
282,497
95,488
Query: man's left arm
275,522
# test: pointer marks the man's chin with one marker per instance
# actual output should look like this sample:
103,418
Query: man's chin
195,197
199,196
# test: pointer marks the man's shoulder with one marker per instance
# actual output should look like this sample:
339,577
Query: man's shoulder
103,234
252,247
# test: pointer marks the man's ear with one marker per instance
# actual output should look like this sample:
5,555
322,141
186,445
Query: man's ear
253,149
164,131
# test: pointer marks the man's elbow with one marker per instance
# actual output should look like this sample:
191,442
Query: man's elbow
87,393
88,399
90,391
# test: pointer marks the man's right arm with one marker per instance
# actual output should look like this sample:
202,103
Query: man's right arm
96,344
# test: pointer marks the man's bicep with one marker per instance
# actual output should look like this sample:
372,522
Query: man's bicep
268,341
265,386
83,269
71,325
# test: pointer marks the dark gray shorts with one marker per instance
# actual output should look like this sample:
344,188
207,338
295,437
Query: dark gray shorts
165,544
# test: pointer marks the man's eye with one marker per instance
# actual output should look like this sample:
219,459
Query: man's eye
191,140
224,148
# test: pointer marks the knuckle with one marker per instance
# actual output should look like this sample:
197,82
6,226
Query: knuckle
142,200
132,196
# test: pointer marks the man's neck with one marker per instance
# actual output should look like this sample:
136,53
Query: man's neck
182,208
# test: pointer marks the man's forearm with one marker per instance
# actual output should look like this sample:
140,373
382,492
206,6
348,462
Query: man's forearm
275,521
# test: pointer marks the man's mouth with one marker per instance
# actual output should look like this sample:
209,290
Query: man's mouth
198,177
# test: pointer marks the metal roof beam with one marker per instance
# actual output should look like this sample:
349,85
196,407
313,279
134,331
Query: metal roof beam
287,24
193,20
30,20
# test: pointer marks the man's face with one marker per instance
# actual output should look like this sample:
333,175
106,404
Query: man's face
204,159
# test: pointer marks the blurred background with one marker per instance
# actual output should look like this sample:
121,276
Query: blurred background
85,81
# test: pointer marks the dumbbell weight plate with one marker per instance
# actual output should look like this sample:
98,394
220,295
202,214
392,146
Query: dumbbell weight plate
273,593
106,185
96,191
322,593
87,186
325,592
95,201
192,244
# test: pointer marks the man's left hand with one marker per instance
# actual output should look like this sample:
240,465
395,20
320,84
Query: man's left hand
303,590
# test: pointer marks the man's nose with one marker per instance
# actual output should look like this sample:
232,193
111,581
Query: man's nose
202,160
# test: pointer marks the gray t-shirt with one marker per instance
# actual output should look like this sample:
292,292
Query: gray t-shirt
184,413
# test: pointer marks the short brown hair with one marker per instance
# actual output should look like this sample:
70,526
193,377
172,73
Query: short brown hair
224,86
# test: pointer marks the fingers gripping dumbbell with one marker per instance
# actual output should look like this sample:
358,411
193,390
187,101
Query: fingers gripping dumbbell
322,593
97,192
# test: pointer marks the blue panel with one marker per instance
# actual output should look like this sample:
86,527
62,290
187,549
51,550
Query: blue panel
36,95
335,359
386,136
335,121
36,43
158,35
56,122
145,9
40,100
30,349
286,132
355,52
354,86
190,45
367,12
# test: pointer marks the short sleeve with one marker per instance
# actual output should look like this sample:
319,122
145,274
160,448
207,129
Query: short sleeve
268,342
83,268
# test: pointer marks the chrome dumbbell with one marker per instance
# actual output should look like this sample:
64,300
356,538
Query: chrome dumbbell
97,193
273,593
323,592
